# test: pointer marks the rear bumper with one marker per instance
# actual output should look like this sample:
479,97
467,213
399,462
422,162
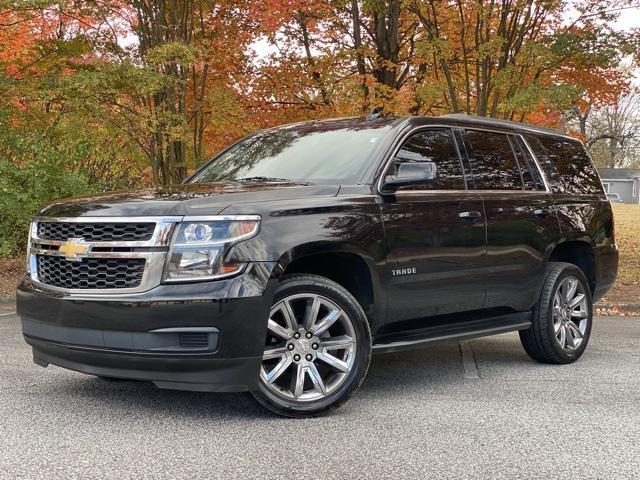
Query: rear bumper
204,337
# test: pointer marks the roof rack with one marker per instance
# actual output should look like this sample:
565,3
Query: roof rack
495,121
375,114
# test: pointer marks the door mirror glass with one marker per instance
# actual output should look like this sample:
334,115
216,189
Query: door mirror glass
412,173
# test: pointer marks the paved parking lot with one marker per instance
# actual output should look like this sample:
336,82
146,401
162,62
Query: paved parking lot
477,410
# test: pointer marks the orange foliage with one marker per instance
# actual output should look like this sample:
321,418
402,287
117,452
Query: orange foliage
312,69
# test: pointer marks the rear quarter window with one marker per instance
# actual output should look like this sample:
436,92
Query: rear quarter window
566,164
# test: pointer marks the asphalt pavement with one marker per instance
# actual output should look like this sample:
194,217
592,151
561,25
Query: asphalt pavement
479,409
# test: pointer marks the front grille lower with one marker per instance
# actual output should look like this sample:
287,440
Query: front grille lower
194,340
90,273
96,232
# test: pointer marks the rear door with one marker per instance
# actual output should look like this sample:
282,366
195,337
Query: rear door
435,234
584,213
521,222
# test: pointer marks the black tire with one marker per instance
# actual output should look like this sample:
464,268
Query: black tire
315,284
540,341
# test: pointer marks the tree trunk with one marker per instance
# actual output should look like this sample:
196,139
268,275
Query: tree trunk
315,75
360,61
386,20
161,22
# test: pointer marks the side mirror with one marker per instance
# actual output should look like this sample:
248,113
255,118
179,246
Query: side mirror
412,173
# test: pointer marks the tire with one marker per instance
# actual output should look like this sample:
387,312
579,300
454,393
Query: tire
326,348
555,322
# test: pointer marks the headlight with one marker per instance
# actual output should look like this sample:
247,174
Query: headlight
200,244
30,258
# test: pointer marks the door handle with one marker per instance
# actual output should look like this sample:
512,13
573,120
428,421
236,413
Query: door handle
470,215
542,212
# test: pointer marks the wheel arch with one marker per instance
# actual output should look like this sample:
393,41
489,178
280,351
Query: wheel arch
579,253
352,268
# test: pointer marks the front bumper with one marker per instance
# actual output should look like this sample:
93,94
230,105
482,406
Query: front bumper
204,336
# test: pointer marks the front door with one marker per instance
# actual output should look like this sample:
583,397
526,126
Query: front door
435,235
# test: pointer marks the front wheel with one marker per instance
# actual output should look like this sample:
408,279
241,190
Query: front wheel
562,319
317,349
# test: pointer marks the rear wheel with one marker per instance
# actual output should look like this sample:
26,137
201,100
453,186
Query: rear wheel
317,349
562,320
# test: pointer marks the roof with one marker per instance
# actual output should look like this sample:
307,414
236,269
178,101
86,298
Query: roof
454,120
619,173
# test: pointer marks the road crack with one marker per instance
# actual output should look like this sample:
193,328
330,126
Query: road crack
468,360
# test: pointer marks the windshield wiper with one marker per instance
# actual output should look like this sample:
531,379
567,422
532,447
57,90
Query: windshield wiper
262,179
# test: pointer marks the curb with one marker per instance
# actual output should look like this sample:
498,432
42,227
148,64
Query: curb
630,306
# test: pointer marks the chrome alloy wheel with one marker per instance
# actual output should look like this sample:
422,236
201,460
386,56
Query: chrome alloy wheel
570,313
310,348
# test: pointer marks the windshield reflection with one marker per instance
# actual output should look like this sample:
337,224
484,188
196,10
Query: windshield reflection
316,151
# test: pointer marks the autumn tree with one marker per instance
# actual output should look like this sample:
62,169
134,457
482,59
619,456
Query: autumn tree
614,132
172,81
98,95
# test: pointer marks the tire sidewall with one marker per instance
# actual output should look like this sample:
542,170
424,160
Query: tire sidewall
337,294
569,271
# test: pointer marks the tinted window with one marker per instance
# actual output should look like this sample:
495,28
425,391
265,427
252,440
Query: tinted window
566,164
549,169
433,146
493,162
316,151
530,173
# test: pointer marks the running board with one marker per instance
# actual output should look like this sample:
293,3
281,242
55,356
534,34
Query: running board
455,331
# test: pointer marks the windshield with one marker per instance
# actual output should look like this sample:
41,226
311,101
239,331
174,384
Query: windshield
336,151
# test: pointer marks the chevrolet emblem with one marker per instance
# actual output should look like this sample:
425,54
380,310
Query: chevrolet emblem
73,248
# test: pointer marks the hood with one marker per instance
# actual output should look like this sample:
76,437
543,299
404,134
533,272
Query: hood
187,199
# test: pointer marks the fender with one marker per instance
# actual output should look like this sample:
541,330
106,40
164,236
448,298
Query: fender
350,266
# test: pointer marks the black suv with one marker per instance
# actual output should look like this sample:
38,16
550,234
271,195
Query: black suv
284,262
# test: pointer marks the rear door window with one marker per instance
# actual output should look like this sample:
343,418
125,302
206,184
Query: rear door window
492,160
530,173
566,164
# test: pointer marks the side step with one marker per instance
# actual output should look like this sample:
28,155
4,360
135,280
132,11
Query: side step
455,331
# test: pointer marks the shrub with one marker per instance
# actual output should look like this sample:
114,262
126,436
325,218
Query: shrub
25,189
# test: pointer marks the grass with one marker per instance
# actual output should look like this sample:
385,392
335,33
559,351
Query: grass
627,287
627,219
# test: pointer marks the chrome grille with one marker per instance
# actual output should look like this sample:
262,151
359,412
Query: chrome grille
99,255
90,273
96,232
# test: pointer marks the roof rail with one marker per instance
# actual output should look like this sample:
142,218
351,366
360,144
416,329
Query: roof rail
375,114
496,121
